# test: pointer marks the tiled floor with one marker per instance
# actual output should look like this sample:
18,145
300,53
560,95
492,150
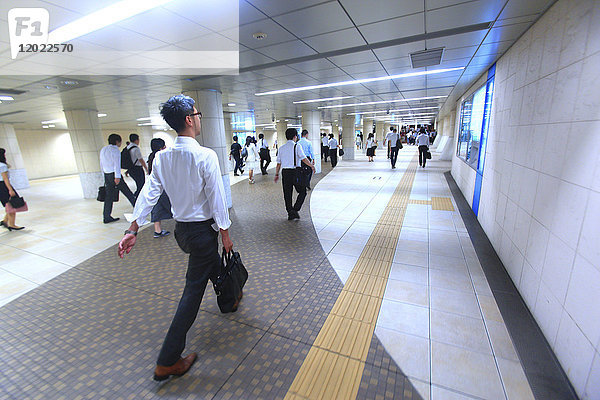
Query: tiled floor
438,319
63,229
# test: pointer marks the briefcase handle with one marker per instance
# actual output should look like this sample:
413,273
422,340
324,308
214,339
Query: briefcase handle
225,257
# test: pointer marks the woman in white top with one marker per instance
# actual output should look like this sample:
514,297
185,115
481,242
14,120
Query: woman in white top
371,146
252,160
6,192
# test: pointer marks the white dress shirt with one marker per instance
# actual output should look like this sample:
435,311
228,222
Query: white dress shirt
262,144
285,156
135,153
110,160
333,144
3,168
191,176
325,141
423,140
392,137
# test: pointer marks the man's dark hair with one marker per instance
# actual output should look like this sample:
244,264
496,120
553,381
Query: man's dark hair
3,156
260,136
133,137
175,110
113,138
291,133
391,128
235,138
331,136
304,132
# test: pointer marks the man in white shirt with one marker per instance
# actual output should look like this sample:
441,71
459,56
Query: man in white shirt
423,143
190,175
289,160
394,144
324,147
263,152
308,152
139,165
333,150
110,163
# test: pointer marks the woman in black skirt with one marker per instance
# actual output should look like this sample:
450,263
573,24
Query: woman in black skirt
162,209
371,146
6,192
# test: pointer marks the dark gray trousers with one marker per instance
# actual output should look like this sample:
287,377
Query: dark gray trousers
109,184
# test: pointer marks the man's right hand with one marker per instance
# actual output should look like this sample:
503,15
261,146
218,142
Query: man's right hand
117,180
126,244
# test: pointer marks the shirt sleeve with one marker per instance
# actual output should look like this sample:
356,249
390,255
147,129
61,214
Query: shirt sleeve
215,192
3,168
279,156
148,197
137,154
310,151
299,155
117,163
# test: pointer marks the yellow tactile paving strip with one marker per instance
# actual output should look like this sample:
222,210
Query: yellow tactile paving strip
442,203
422,202
334,365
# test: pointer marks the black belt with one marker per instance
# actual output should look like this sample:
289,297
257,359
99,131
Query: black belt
207,222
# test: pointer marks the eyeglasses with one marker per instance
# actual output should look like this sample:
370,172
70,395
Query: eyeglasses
199,114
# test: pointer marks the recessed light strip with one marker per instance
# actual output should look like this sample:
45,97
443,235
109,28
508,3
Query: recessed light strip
325,99
102,18
359,81
391,111
383,102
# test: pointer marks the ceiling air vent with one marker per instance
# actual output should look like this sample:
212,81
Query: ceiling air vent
426,58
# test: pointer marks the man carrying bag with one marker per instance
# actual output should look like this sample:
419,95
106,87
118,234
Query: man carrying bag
190,175
289,159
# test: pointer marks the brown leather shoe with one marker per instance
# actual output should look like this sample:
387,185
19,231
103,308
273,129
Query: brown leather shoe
182,366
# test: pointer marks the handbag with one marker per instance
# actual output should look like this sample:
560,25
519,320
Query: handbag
341,152
302,173
16,204
229,283
16,201
102,194
428,155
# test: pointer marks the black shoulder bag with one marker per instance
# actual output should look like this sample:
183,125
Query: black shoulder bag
301,172
230,281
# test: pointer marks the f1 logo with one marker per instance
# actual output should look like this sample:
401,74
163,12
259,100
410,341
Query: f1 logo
27,26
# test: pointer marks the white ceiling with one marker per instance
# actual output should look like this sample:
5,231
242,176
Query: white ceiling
308,42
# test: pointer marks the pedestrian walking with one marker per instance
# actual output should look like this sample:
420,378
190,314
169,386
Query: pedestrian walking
110,163
265,154
423,143
190,175
333,150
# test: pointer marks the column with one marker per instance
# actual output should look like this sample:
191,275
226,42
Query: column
17,173
449,128
281,127
366,130
229,130
212,134
311,121
146,135
87,140
348,137
379,132
335,129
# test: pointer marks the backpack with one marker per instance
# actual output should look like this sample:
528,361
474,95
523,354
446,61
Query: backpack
126,162
244,151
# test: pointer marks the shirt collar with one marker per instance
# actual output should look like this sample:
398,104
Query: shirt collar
186,141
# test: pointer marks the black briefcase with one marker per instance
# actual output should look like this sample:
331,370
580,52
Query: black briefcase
229,283
102,194
428,155
16,201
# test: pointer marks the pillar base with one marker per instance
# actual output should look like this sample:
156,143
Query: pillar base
18,178
348,153
90,181
448,150
227,186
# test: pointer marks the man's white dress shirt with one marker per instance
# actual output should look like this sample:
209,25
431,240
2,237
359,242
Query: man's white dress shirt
333,144
325,141
191,176
423,140
285,156
110,160
393,138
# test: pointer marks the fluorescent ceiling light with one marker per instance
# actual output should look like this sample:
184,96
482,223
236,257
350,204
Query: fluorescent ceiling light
51,126
144,119
231,104
359,81
382,102
147,124
102,18
101,115
6,98
325,99
53,121
45,126
384,111
271,124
